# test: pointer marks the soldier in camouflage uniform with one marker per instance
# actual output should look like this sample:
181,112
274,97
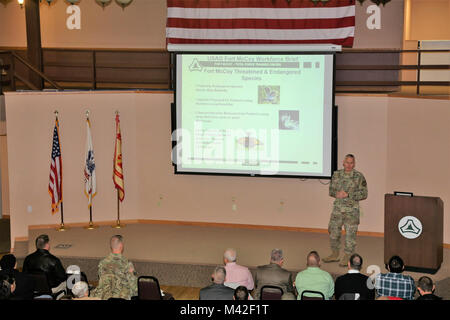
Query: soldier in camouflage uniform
117,277
348,186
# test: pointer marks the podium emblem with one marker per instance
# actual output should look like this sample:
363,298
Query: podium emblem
410,227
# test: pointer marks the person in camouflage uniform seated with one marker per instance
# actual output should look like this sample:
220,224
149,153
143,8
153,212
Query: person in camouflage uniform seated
348,186
117,277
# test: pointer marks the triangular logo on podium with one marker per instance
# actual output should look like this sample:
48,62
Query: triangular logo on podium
410,227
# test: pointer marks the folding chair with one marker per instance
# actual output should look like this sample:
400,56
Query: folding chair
271,293
303,297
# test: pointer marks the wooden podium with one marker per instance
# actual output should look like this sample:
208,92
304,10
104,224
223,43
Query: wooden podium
414,230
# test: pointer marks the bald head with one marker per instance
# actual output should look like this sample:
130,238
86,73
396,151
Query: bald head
313,259
116,244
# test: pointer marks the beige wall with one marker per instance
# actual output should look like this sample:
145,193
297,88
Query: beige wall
429,20
389,35
419,150
12,25
387,144
142,25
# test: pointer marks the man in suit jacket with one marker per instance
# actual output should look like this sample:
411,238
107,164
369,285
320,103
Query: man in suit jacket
274,275
426,289
354,281
217,291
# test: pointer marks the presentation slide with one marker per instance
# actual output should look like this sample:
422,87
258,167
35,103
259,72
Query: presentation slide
256,114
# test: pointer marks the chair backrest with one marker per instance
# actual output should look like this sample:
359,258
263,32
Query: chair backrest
116,299
303,297
350,296
41,286
271,293
43,297
148,288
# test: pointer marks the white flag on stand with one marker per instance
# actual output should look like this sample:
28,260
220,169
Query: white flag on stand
89,167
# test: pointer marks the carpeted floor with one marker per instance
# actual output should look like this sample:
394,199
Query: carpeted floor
182,255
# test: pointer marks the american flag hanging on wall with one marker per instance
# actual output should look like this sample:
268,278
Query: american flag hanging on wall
260,22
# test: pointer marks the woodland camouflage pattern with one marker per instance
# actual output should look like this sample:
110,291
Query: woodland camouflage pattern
346,211
115,278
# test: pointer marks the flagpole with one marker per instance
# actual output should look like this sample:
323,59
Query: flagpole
118,225
61,226
91,225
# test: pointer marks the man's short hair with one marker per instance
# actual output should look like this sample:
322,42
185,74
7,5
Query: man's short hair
8,262
219,274
356,261
396,264
230,255
42,241
80,289
276,255
313,259
425,283
349,155
241,293
115,241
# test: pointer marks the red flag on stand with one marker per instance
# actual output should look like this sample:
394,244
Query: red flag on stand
117,166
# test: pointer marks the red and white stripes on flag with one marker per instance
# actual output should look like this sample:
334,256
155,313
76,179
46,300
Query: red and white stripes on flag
55,183
260,22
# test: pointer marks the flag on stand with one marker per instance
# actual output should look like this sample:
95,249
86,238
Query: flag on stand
89,167
260,22
55,183
117,166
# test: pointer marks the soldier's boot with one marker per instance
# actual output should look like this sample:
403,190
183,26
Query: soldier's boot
333,257
344,260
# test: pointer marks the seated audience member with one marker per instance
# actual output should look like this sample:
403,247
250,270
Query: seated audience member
274,275
354,281
117,277
394,283
7,287
217,291
313,278
426,288
42,261
80,291
237,275
241,293
24,283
